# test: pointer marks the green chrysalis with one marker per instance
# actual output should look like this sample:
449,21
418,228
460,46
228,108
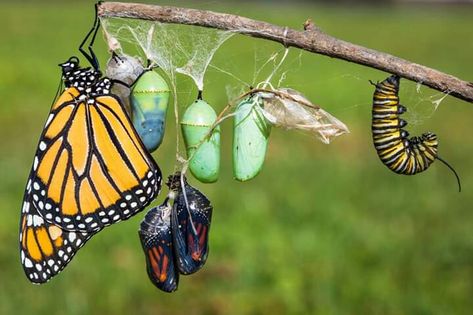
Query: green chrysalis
250,138
149,104
196,124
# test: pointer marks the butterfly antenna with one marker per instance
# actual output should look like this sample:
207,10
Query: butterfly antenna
454,172
92,58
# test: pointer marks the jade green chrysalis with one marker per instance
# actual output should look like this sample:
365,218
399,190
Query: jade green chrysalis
149,103
196,124
250,138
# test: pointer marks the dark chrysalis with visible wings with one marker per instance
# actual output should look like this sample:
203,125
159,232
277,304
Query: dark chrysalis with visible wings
175,238
190,221
399,153
90,170
156,239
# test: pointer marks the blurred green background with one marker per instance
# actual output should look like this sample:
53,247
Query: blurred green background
324,229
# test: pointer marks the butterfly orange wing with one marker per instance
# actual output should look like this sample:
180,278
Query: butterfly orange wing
45,248
91,169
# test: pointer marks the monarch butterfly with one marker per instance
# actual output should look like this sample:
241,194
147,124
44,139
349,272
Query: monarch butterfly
399,153
90,170
156,239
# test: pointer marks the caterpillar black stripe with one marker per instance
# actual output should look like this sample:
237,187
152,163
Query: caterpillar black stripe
401,154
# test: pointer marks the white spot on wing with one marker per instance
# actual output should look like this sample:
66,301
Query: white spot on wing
26,207
42,145
37,220
28,263
35,163
50,117
29,220
72,236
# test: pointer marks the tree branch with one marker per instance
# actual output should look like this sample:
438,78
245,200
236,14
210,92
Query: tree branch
311,39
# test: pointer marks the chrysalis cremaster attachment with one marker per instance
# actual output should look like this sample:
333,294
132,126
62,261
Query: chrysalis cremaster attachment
149,102
190,221
251,133
124,70
202,148
157,242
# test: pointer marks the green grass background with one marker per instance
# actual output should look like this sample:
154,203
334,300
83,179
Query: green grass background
324,229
